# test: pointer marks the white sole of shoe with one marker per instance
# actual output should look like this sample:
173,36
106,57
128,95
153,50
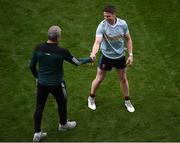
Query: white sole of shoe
131,110
92,108
89,105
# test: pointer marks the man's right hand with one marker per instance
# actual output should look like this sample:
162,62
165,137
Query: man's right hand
93,56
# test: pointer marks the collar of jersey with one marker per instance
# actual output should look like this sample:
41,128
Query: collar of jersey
114,24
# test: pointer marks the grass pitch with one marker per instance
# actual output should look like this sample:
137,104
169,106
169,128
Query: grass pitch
154,77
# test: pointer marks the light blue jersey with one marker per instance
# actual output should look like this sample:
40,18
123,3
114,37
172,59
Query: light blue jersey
112,45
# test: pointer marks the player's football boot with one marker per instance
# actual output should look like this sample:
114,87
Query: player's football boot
129,106
91,103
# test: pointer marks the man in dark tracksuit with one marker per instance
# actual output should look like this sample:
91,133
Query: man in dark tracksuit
49,76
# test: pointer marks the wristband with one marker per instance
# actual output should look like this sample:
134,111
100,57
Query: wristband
130,54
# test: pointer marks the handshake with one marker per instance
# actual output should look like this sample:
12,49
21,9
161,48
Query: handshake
93,57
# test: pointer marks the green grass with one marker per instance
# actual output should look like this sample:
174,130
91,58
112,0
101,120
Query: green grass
154,78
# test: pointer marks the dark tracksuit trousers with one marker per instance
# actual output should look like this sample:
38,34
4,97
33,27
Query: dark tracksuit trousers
59,92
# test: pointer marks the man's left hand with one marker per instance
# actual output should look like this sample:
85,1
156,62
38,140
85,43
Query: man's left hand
129,61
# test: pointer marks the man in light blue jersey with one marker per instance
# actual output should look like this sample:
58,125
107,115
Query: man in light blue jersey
112,35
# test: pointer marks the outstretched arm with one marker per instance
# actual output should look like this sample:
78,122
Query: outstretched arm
76,61
96,46
80,61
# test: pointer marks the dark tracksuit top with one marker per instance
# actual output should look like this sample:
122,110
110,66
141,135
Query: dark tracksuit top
50,58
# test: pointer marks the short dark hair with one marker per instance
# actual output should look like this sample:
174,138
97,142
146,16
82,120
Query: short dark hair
110,8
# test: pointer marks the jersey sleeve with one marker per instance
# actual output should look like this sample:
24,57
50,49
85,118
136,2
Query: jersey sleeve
67,56
76,61
126,29
99,30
